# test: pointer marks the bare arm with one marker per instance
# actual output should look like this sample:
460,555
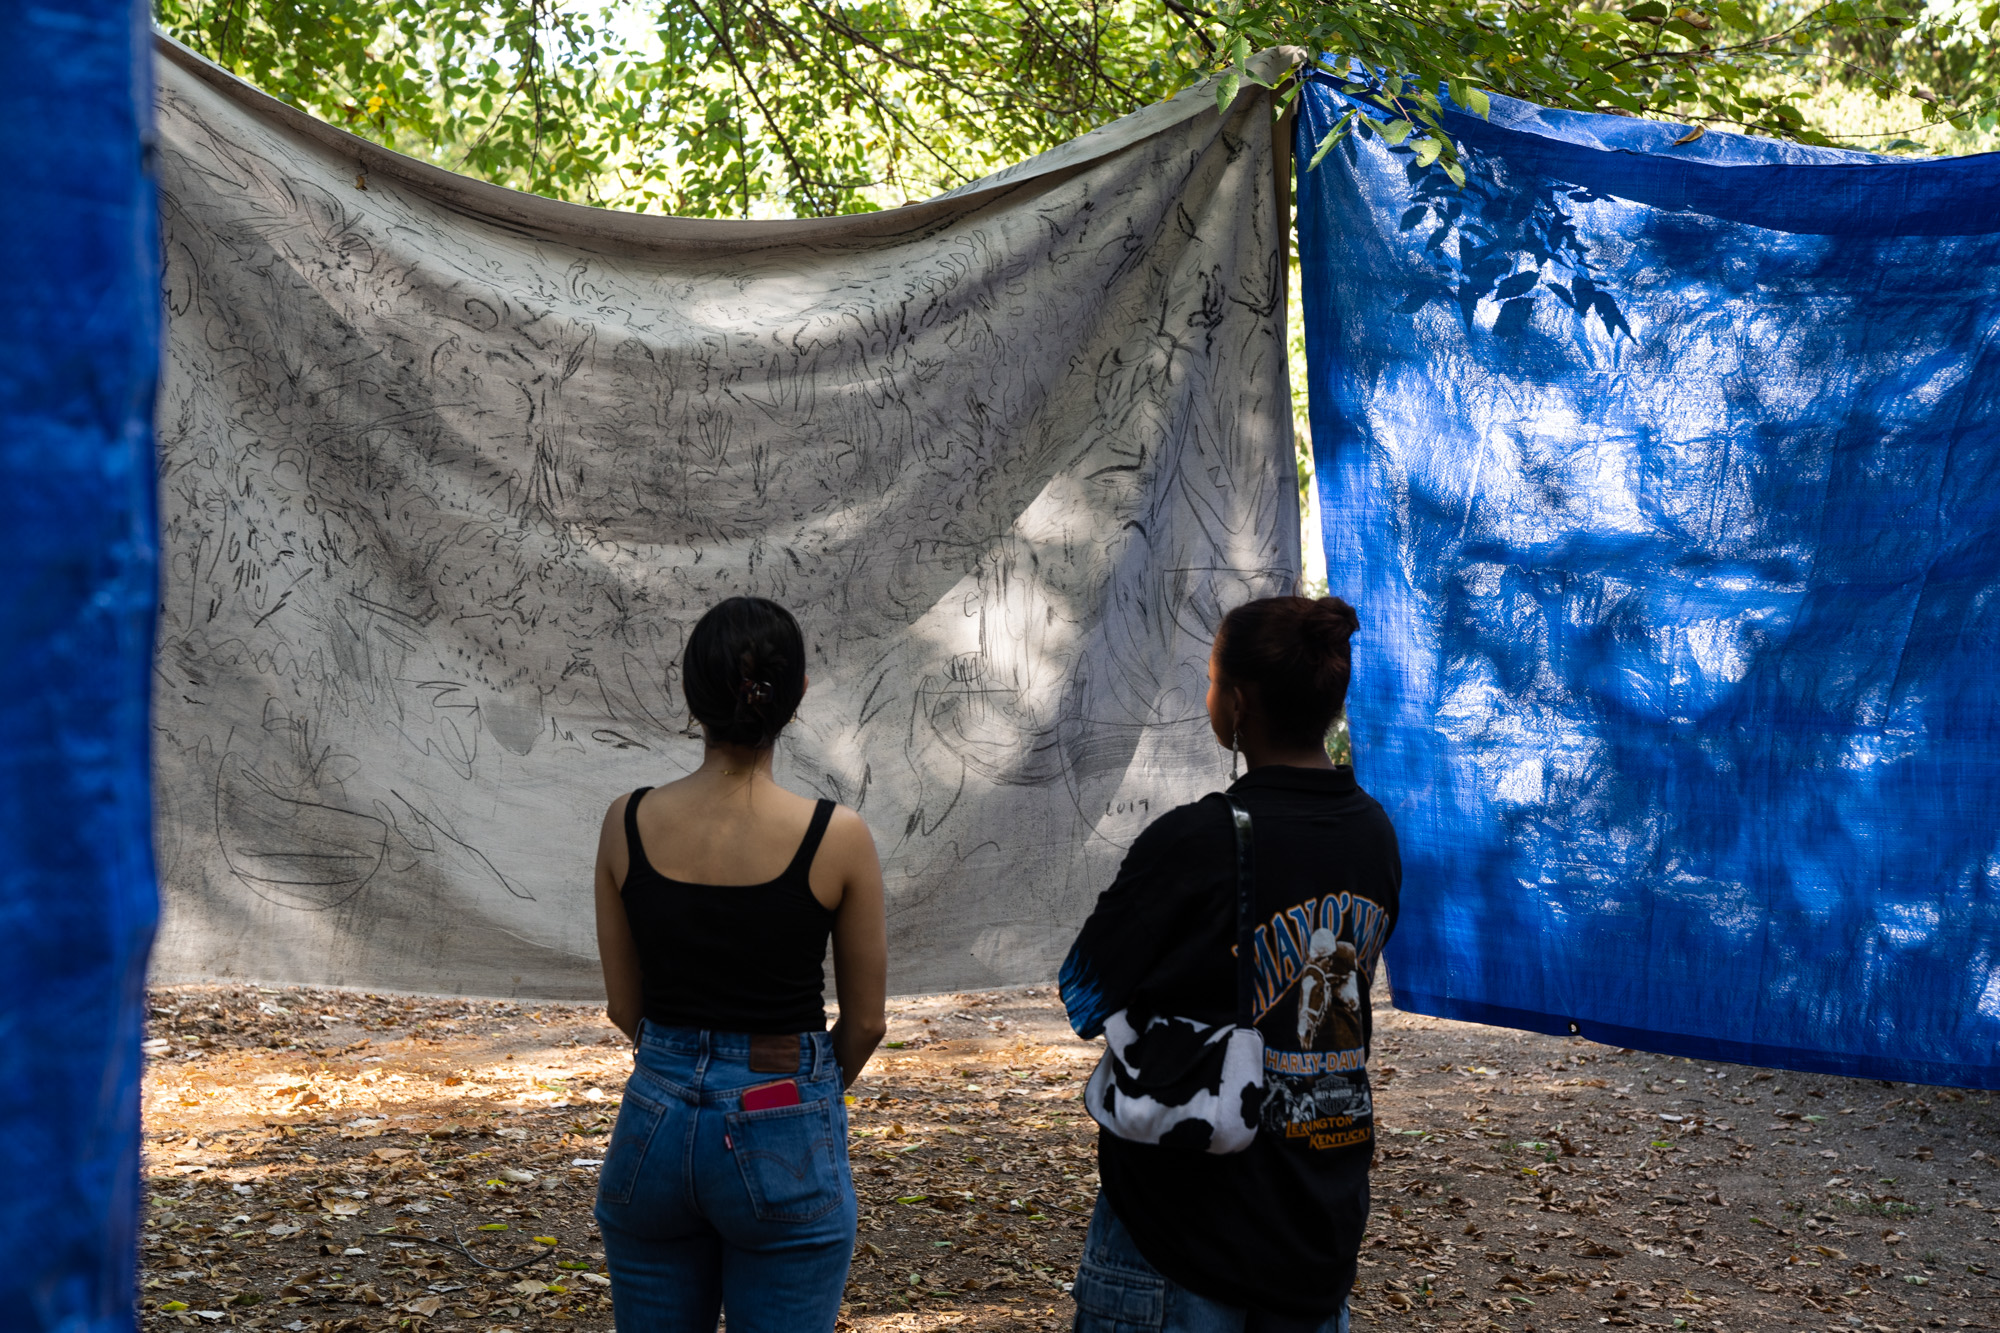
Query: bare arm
860,945
623,987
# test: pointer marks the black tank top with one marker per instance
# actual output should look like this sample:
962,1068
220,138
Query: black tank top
735,958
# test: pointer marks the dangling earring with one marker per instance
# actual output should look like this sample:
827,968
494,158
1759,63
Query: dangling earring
1235,751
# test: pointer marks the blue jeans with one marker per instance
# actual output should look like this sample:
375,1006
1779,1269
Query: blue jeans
705,1207
1117,1291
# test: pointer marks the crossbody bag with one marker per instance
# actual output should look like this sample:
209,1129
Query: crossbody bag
1180,1083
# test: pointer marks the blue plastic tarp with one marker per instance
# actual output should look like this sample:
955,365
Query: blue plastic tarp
1666,479
79,350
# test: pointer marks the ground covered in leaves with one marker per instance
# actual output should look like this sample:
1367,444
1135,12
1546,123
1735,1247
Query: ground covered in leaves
329,1162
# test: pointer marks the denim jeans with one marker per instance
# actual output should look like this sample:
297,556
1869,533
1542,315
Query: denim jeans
1117,1291
705,1207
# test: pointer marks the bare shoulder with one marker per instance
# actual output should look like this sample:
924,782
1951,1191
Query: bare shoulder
611,855
614,815
848,838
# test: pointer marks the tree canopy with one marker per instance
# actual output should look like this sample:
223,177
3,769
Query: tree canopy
735,108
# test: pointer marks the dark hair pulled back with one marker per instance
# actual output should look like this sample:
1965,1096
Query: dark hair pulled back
1291,655
744,671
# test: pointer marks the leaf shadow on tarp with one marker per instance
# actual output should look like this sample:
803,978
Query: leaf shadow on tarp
1725,686
1674,685
1502,242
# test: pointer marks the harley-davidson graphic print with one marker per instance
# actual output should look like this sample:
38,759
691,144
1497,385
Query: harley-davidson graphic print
1314,965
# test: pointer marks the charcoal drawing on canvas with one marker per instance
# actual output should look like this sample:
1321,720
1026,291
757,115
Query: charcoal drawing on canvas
447,473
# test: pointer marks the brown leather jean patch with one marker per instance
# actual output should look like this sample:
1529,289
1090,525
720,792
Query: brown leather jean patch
774,1054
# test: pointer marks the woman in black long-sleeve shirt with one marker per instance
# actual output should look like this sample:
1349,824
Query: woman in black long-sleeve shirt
1265,1239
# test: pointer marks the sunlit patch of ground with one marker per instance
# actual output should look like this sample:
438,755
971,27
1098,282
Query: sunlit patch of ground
304,1147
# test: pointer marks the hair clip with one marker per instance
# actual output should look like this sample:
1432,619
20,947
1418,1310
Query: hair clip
756,693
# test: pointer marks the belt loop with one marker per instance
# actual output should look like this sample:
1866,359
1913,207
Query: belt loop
819,1048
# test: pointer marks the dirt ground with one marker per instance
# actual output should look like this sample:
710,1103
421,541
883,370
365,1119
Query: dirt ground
306,1149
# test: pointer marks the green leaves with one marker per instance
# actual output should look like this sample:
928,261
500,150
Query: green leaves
708,107
1332,137
1743,64
814,107
1472,99
1232,78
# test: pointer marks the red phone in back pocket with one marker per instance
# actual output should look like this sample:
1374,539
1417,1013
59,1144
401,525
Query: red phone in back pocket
767,1096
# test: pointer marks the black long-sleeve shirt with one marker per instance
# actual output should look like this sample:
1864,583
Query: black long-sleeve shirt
1277,1226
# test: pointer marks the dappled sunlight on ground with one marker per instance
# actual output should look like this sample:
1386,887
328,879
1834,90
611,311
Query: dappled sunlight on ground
328,1162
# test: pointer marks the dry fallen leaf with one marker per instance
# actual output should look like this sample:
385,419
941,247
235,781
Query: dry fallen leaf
427,1306
394,1154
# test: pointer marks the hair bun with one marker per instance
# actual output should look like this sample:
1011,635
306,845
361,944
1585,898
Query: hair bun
1330,623
743,671
1293,654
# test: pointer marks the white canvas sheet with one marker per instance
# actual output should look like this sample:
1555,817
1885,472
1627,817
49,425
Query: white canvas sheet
448,472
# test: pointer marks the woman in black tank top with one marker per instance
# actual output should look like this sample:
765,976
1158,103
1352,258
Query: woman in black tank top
739,960
726,1185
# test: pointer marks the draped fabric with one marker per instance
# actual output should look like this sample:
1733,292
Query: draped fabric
79,356
449,472
1666,479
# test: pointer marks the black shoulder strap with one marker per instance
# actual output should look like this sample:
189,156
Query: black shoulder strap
803,859
1246,915
635,851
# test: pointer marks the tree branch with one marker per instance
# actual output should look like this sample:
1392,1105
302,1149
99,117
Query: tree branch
1190,17
777,129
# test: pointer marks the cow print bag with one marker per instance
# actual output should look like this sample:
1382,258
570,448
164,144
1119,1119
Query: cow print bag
1183,1084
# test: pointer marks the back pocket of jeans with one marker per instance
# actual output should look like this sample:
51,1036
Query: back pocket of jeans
638,1117
1118,1300
786,1157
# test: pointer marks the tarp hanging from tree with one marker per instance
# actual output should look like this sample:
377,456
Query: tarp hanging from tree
448,473
79,355
1666,478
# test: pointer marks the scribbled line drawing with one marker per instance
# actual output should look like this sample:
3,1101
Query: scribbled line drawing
294,852
1199,596
448,473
